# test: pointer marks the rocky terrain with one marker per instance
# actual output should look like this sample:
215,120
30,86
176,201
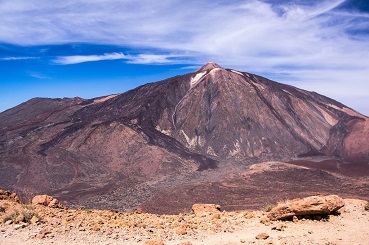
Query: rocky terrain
205,136
312,220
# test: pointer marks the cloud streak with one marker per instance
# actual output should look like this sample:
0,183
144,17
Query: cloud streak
76,59
18,58
37,75
133,59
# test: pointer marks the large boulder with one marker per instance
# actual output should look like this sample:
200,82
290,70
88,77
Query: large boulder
46,200
313,205
200,208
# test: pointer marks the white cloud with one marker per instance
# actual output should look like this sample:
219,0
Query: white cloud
306,12
75,59
308,43
133,59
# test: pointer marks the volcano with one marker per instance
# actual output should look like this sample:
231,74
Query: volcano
209,135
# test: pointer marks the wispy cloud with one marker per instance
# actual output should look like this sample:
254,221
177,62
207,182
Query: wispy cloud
155,59
38,75
75,59
19,58
133,59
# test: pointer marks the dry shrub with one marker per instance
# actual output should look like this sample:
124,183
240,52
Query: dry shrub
20,214
269,208
366,207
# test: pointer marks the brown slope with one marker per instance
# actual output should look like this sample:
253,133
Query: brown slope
229,114
74,147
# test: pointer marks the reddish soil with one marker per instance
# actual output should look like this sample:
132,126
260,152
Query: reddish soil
259,188
352,169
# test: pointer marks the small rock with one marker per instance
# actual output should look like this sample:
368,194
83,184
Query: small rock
156,241
45,231
40,235
54,203
19,226
34,220
262,236
242,241
185,243
9,222
265,221
96,227
295,219
216,216
200,208
182,230
279,227
281,237
249,215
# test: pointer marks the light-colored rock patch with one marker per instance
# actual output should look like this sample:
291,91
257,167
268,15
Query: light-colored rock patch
196,79
192,142
105,98
211,151
237,72
346,110
163,131
327,116
236,150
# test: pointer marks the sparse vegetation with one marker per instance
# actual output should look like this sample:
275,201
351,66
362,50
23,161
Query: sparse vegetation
325,219
366,207
269,207
23,214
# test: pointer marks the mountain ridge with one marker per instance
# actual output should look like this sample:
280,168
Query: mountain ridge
212,119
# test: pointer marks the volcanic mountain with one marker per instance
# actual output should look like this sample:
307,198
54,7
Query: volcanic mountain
179,139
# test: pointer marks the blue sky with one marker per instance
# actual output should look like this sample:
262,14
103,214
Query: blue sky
92,48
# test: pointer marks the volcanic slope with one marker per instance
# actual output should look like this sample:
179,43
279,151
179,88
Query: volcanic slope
121,150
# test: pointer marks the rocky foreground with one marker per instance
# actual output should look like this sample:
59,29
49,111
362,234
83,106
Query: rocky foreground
312,220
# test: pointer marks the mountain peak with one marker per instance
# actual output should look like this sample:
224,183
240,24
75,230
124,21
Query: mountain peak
209,66
216,118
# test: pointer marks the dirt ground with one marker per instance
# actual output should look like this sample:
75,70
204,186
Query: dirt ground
108,227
